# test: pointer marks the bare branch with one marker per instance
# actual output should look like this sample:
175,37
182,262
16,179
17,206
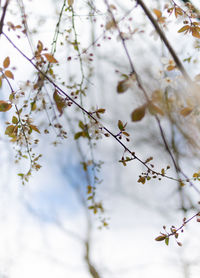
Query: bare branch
132,153
3,16
140,85
165,40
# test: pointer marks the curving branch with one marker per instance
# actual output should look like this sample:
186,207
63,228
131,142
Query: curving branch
89,114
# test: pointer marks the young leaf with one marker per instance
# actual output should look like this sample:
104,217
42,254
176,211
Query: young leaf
14,120
171,67
89,189
178,11
33,127
101,110
9,74
81,125
186,111
11,131
40,46
78,135
195,33
160,238
50,58
126,133
142,180
6,62
60,102
138,113
4,106
184,28
110,24
120,125
33,106
123,86
153,109
157,13
70,2
167,241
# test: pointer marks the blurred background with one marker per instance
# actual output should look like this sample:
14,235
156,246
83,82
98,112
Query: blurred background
50,227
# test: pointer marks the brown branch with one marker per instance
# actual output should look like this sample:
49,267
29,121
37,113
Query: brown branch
92,269
133,155
177,168
184,223
165,40
166,145
176,165
3,16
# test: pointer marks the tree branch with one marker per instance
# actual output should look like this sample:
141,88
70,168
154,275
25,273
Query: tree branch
133,155
3,16
140,85
165,40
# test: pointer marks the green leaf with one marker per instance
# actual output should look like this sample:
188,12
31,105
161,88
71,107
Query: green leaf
167,241
160,238
33,106
78,135
120,125
89,189
70,2
4,106
91,207
11,131
14,120
81,125
184,28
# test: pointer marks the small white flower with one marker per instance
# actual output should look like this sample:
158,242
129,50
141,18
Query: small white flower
168,64
166,82
95,130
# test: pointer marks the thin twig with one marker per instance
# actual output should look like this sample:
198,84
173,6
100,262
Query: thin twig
177,168
21,123
88,113
184,223
165,40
